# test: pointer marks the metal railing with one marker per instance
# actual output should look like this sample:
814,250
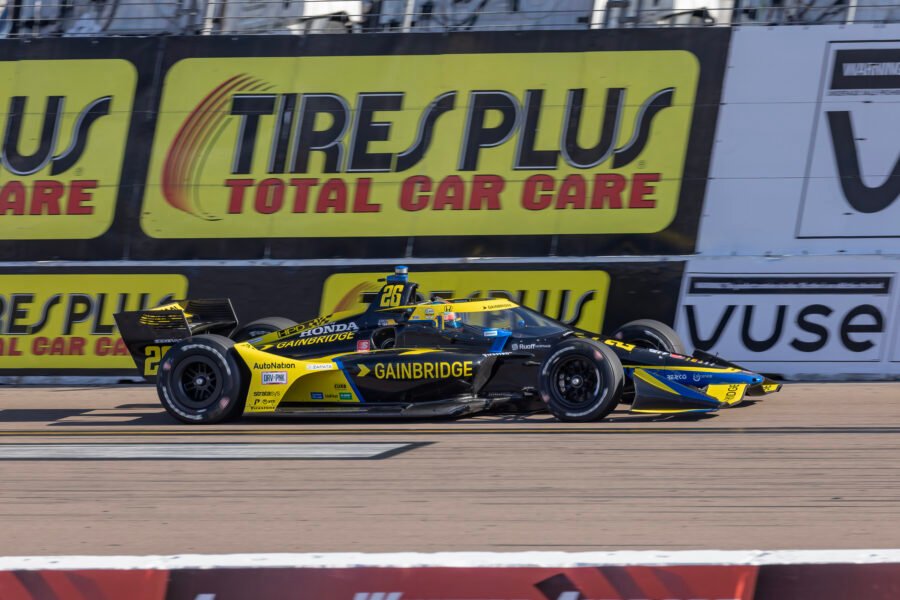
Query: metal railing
29,18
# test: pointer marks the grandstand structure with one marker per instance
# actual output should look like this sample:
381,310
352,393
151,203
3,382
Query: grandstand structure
70,18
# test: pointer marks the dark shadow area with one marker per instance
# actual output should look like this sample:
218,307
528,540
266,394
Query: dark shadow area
156,416
676,418
743,404
37,415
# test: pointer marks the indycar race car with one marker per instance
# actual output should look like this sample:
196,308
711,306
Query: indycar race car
407,356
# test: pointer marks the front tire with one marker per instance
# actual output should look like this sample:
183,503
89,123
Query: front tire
648,333
581,381
261,327
200,380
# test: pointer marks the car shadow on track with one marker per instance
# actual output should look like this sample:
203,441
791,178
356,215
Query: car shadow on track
128,416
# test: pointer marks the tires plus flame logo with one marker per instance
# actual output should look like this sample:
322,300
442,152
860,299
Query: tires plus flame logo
190,149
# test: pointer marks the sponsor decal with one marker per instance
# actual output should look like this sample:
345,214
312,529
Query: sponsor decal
316,396
320,339
65,321
514,144
153,355
345,396
529,346
700,582
363,345
577,298
853,178
263,403
417,370
733,392
274,377
617,344
787,317
319,366
330,328
273,365
490,333
317,327
64,124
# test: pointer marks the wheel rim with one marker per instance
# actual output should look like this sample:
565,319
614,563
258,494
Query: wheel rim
198,381
576,381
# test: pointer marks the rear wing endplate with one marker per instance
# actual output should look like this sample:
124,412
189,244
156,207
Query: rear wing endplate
150,333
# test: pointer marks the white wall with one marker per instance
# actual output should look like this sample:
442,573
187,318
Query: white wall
779,232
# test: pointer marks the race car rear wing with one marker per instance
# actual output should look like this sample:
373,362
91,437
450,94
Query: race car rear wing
150,333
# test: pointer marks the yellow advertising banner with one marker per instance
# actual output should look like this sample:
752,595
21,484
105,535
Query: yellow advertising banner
65,124
574,297
421,145
66,321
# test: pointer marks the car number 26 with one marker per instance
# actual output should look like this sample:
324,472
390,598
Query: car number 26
153,355
390,297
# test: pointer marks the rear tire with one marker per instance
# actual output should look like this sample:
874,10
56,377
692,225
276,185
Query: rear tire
581,381
260,327
200,380
648,333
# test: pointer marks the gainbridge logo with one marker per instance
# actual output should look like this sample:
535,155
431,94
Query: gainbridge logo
454,144
577,298
64,125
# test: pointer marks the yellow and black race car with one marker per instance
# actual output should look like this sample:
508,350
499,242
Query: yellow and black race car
406,356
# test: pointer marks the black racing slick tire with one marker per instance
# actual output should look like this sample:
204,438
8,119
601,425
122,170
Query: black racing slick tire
260,327
200,380
648,333
581,380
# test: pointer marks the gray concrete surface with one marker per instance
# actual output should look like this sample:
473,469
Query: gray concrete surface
815,466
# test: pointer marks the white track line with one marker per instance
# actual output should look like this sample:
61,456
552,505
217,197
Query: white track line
194,451
454,559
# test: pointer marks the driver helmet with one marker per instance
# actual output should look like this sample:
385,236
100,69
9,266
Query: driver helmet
451,319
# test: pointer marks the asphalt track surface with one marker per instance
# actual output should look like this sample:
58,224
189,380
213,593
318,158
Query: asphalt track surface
815,466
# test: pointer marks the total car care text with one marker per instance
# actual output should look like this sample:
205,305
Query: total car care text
349,152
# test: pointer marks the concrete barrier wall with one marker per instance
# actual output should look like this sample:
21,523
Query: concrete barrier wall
735,184
629,575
